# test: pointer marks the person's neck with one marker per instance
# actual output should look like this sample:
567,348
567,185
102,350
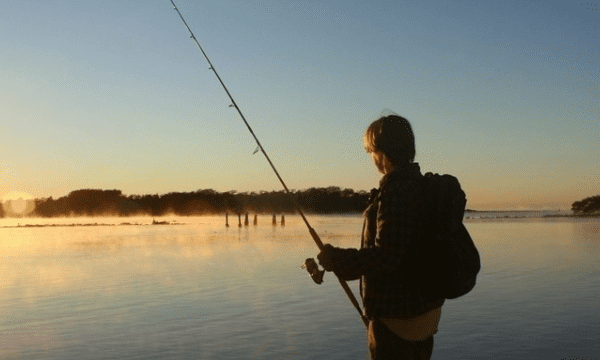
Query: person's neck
390,167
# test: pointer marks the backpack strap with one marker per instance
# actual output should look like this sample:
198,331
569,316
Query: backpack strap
370,215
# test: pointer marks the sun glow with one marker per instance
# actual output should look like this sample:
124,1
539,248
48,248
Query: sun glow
18,203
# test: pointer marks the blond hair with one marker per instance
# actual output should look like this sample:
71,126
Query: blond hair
391,141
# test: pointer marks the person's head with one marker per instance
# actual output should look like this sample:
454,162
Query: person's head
391,142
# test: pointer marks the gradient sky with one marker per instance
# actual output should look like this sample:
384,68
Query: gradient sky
115,95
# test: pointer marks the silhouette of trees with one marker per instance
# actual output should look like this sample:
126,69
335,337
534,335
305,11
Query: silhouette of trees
87,202
588,205
150,204
332,200
90,202
93,202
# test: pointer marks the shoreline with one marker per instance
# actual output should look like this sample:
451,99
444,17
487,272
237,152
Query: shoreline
574,216
174,222
90,224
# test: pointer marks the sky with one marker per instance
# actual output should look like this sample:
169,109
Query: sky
115,95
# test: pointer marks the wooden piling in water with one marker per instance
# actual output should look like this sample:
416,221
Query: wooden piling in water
255,219
282,220
239,220
226,219
246,220
274,219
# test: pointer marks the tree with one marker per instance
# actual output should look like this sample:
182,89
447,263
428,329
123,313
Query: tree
588,205
94,202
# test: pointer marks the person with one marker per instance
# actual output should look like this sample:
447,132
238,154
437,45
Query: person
402,318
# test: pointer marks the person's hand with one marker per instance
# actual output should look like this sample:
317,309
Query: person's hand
325,257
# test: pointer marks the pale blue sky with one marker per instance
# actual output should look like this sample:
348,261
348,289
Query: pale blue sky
115,95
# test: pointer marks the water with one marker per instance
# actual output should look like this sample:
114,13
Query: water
202,291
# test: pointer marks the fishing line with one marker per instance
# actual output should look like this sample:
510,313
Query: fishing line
310,229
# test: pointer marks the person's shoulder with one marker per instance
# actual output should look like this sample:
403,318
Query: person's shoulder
399,185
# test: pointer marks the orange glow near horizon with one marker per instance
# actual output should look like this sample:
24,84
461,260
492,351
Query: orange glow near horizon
505,199
18,203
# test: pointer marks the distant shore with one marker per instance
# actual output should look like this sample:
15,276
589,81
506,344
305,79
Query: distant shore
573,216
154,222
512,211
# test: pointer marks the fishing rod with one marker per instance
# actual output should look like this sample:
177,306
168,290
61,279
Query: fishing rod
310,264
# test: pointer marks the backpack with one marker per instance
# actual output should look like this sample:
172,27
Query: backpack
447,261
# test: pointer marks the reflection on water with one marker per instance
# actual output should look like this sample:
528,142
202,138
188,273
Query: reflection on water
587,233
201,290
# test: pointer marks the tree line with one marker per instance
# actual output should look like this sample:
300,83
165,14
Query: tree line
589,205
94,202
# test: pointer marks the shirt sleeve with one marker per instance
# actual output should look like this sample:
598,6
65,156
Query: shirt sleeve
396,228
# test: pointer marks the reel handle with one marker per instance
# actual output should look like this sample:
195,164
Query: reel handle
313,269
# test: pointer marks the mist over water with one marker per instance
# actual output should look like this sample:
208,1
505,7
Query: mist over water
201,290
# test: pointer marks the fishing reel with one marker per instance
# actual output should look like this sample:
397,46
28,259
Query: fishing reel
313,269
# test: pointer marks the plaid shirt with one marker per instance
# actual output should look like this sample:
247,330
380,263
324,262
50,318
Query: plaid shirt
392,224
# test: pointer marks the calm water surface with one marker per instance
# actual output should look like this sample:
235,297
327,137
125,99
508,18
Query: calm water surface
203,291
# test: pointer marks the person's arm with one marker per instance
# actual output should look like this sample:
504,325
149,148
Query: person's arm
396,226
